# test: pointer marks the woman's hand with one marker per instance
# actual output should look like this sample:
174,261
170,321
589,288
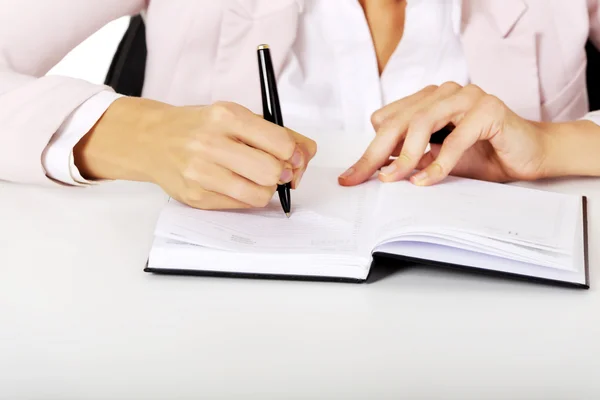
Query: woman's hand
489,141
220,156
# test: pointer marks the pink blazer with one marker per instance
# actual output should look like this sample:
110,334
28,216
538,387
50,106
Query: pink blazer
529,53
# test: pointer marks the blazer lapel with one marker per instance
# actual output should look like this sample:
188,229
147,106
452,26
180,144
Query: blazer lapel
245,25
503,14
501,53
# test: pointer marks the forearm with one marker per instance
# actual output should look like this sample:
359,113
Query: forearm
118,146
34,105
573,149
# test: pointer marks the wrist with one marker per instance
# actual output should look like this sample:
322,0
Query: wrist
571,149
115,147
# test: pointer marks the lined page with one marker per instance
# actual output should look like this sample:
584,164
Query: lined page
326,218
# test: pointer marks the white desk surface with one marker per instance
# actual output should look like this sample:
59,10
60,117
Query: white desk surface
79,319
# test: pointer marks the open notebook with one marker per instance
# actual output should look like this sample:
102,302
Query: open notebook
334,232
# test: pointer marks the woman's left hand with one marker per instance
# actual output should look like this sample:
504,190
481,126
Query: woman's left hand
489,141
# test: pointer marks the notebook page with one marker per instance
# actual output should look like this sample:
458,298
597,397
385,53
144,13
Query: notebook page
525,217
172,254
434,252
460,240
326,218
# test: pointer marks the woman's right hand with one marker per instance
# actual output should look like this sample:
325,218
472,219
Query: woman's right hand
220,156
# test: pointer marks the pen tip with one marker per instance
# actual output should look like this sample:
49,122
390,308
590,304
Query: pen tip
263,46
287,215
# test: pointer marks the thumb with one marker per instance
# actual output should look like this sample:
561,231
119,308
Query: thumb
306,144
308,148
360,172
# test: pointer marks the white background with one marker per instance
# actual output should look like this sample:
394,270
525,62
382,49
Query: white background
91,59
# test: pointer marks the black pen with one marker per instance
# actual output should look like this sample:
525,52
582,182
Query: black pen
272,111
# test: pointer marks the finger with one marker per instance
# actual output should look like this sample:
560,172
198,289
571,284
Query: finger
304,152
286,177
431,119
308,149
387,143
376,155
254,130
212,201
428,158
476,125
391,132
450,109
388,162
216,179
306,144
381,115
473,164
415,101
398,148
250,163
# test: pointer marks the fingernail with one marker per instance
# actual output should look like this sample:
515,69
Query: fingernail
286,176
296,159
419,178
389,169
348,173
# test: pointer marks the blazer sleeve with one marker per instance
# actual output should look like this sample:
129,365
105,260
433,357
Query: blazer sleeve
34,36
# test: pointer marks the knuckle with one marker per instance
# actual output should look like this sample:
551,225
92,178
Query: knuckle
221,112
264,197
271,175
408,156
192,192
419,115
474,89
260,197
239,191
189,173
311,147
195,198
253,195
450,86
430,88
443,170
228,105
492,107
377,118
288,147
492,102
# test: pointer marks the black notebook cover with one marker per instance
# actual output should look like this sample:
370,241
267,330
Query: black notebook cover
379,259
